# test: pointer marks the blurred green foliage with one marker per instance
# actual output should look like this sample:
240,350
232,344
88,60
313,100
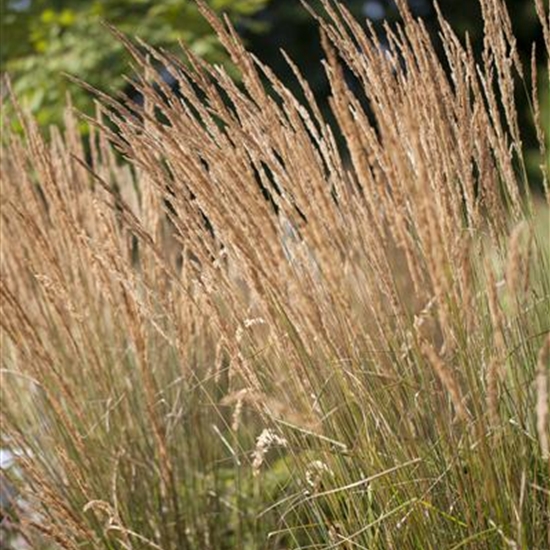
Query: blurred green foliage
41,40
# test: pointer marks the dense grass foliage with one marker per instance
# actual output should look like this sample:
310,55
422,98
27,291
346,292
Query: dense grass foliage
261,331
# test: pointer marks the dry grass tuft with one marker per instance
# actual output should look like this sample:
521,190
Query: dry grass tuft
261,331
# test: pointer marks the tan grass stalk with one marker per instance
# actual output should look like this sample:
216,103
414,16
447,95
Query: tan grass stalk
517,263
543,397
447,378
494,368
537,120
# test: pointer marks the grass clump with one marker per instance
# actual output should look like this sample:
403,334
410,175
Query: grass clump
262,331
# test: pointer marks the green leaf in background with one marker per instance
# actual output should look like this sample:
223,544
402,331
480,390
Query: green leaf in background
42,40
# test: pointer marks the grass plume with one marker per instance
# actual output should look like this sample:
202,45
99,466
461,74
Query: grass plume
263,331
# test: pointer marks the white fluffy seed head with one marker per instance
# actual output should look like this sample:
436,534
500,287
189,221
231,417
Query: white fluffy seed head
266,440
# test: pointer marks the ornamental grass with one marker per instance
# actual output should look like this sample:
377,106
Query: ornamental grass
229,324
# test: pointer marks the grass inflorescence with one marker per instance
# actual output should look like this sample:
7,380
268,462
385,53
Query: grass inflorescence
259,330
